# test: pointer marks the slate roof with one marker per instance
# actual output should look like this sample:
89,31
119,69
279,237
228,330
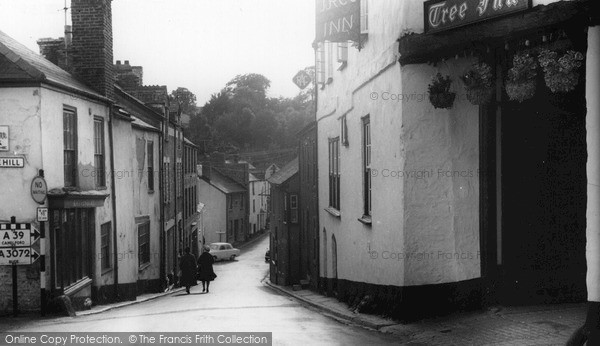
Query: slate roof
223,183
282,175
137,122
20,64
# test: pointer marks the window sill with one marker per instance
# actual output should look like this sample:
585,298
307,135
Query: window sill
333,212
106,271
78,286
144,267
365,219
150,192
101,188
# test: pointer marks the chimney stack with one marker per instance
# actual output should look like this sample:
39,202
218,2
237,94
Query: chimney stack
92,48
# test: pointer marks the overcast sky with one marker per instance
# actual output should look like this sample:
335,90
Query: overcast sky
198,44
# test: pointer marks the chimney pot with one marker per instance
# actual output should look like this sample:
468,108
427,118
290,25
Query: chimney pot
127,62
118,62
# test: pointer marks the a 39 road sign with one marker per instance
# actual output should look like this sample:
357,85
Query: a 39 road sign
18,234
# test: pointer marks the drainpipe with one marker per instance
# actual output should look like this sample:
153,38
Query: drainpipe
163,240
114,203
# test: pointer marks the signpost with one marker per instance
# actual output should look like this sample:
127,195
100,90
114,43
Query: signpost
18,256
42,214
39,189
302,79
23,234
15,249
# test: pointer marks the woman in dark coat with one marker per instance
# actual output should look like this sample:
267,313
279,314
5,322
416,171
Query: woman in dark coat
205,271
188,270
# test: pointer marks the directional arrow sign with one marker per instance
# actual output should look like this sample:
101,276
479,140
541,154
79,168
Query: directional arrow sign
18,237
18,256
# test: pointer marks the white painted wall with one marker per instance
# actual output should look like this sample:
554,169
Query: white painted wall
592,90
426,220
258,198
441,209
214,217
35,118
146,203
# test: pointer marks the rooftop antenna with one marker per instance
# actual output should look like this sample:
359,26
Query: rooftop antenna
68,32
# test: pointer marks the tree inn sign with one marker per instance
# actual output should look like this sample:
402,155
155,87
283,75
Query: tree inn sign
338,20
442,15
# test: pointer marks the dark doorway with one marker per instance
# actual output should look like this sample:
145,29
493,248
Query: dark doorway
541,236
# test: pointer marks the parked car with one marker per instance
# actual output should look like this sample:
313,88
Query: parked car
223,251
268,256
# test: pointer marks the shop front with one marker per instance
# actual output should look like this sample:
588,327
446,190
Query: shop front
532,138
76,254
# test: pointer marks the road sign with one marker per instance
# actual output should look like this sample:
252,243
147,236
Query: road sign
39,189
18,256
12,162
17,234
4,137
42,214
302,79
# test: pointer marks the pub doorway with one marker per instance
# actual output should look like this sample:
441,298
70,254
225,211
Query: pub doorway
540,193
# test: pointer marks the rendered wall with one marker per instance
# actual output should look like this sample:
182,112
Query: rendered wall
441,180
147,203
214,213
593,165
20,109
35,117
419,227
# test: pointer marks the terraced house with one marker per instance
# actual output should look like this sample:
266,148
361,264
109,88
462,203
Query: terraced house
112,158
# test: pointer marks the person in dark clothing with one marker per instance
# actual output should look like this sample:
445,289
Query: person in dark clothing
188,267
205,272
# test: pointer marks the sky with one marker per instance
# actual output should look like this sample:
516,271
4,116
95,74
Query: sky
197,44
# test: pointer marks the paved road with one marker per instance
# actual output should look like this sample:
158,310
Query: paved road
237,302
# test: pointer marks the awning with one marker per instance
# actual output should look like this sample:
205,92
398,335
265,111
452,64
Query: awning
421,48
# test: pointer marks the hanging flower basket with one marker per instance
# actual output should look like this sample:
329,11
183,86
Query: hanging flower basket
520,91
439,92
561,74
478,84
520,84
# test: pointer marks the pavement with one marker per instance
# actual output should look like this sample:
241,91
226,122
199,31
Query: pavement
523,325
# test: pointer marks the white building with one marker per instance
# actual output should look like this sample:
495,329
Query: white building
259,193
426,206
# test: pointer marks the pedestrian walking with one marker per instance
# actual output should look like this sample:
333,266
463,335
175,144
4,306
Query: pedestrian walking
206,273
188,270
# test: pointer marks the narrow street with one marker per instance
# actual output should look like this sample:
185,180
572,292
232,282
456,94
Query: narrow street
238,301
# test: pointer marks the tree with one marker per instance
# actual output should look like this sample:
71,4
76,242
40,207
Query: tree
186,100
241,116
